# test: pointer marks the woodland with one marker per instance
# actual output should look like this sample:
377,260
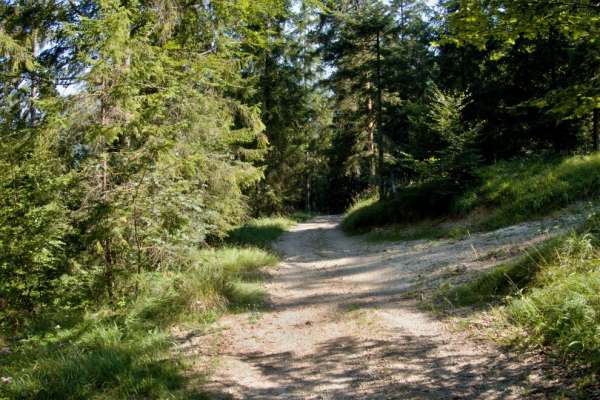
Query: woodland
151,150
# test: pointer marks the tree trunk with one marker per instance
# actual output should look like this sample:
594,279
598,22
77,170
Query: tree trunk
379,122
34,89
104,182
596,128
371,136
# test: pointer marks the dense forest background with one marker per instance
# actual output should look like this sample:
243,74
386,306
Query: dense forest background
136,133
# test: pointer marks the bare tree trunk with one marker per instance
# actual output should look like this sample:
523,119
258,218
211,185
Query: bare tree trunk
106,242
596,128
34,89
371,135
379,121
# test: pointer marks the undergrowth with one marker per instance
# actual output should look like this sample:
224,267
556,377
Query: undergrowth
261,232
124,349
503,194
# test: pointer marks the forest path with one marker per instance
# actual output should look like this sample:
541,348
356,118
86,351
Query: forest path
343,322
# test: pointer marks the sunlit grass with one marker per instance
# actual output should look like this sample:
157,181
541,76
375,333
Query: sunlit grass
505,193
125,350
260,232
549,298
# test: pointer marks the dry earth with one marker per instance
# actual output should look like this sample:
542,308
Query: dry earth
343,323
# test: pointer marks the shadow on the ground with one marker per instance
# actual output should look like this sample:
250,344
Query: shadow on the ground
406,366
345,364
396,271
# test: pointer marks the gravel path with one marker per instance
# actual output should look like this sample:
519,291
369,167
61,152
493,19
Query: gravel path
343,322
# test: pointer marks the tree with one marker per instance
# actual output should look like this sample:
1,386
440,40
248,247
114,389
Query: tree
570,28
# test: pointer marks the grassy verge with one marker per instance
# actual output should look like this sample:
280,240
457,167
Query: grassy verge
261,232
429,229
506,193
548,299
125,350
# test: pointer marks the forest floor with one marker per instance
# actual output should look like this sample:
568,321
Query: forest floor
344,322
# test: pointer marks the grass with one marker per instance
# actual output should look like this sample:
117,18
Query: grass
96,359
261,232
548,299
562,309
505,193
517,191
413,204
125,350
428,229
503,280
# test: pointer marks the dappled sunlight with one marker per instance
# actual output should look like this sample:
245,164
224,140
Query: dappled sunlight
343,321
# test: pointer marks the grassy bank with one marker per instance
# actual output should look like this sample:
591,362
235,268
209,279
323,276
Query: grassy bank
125,350
548,299
505,193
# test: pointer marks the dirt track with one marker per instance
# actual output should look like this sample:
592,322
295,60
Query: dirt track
343,322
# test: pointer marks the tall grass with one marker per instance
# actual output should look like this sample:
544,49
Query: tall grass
260,232
562,309
503,280
552,294
124,350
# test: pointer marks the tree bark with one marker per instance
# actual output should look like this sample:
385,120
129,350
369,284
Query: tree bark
34,90
371,135
379,121
596,128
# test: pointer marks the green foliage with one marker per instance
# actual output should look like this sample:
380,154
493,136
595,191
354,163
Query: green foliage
518,190
126,351
501,27
451,154
551,293
128,142
33,226
505,193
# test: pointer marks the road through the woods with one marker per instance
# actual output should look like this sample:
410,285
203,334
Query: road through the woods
343,322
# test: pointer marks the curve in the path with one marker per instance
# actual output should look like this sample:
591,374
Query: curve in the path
343,323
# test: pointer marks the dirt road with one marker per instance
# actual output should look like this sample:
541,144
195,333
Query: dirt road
343,323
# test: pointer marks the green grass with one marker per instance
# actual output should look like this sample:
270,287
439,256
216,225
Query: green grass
427,229
549,298
505,193
515,191
562,309
261,232
96,359
125,351
503,280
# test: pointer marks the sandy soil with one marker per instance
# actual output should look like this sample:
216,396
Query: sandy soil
343,322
